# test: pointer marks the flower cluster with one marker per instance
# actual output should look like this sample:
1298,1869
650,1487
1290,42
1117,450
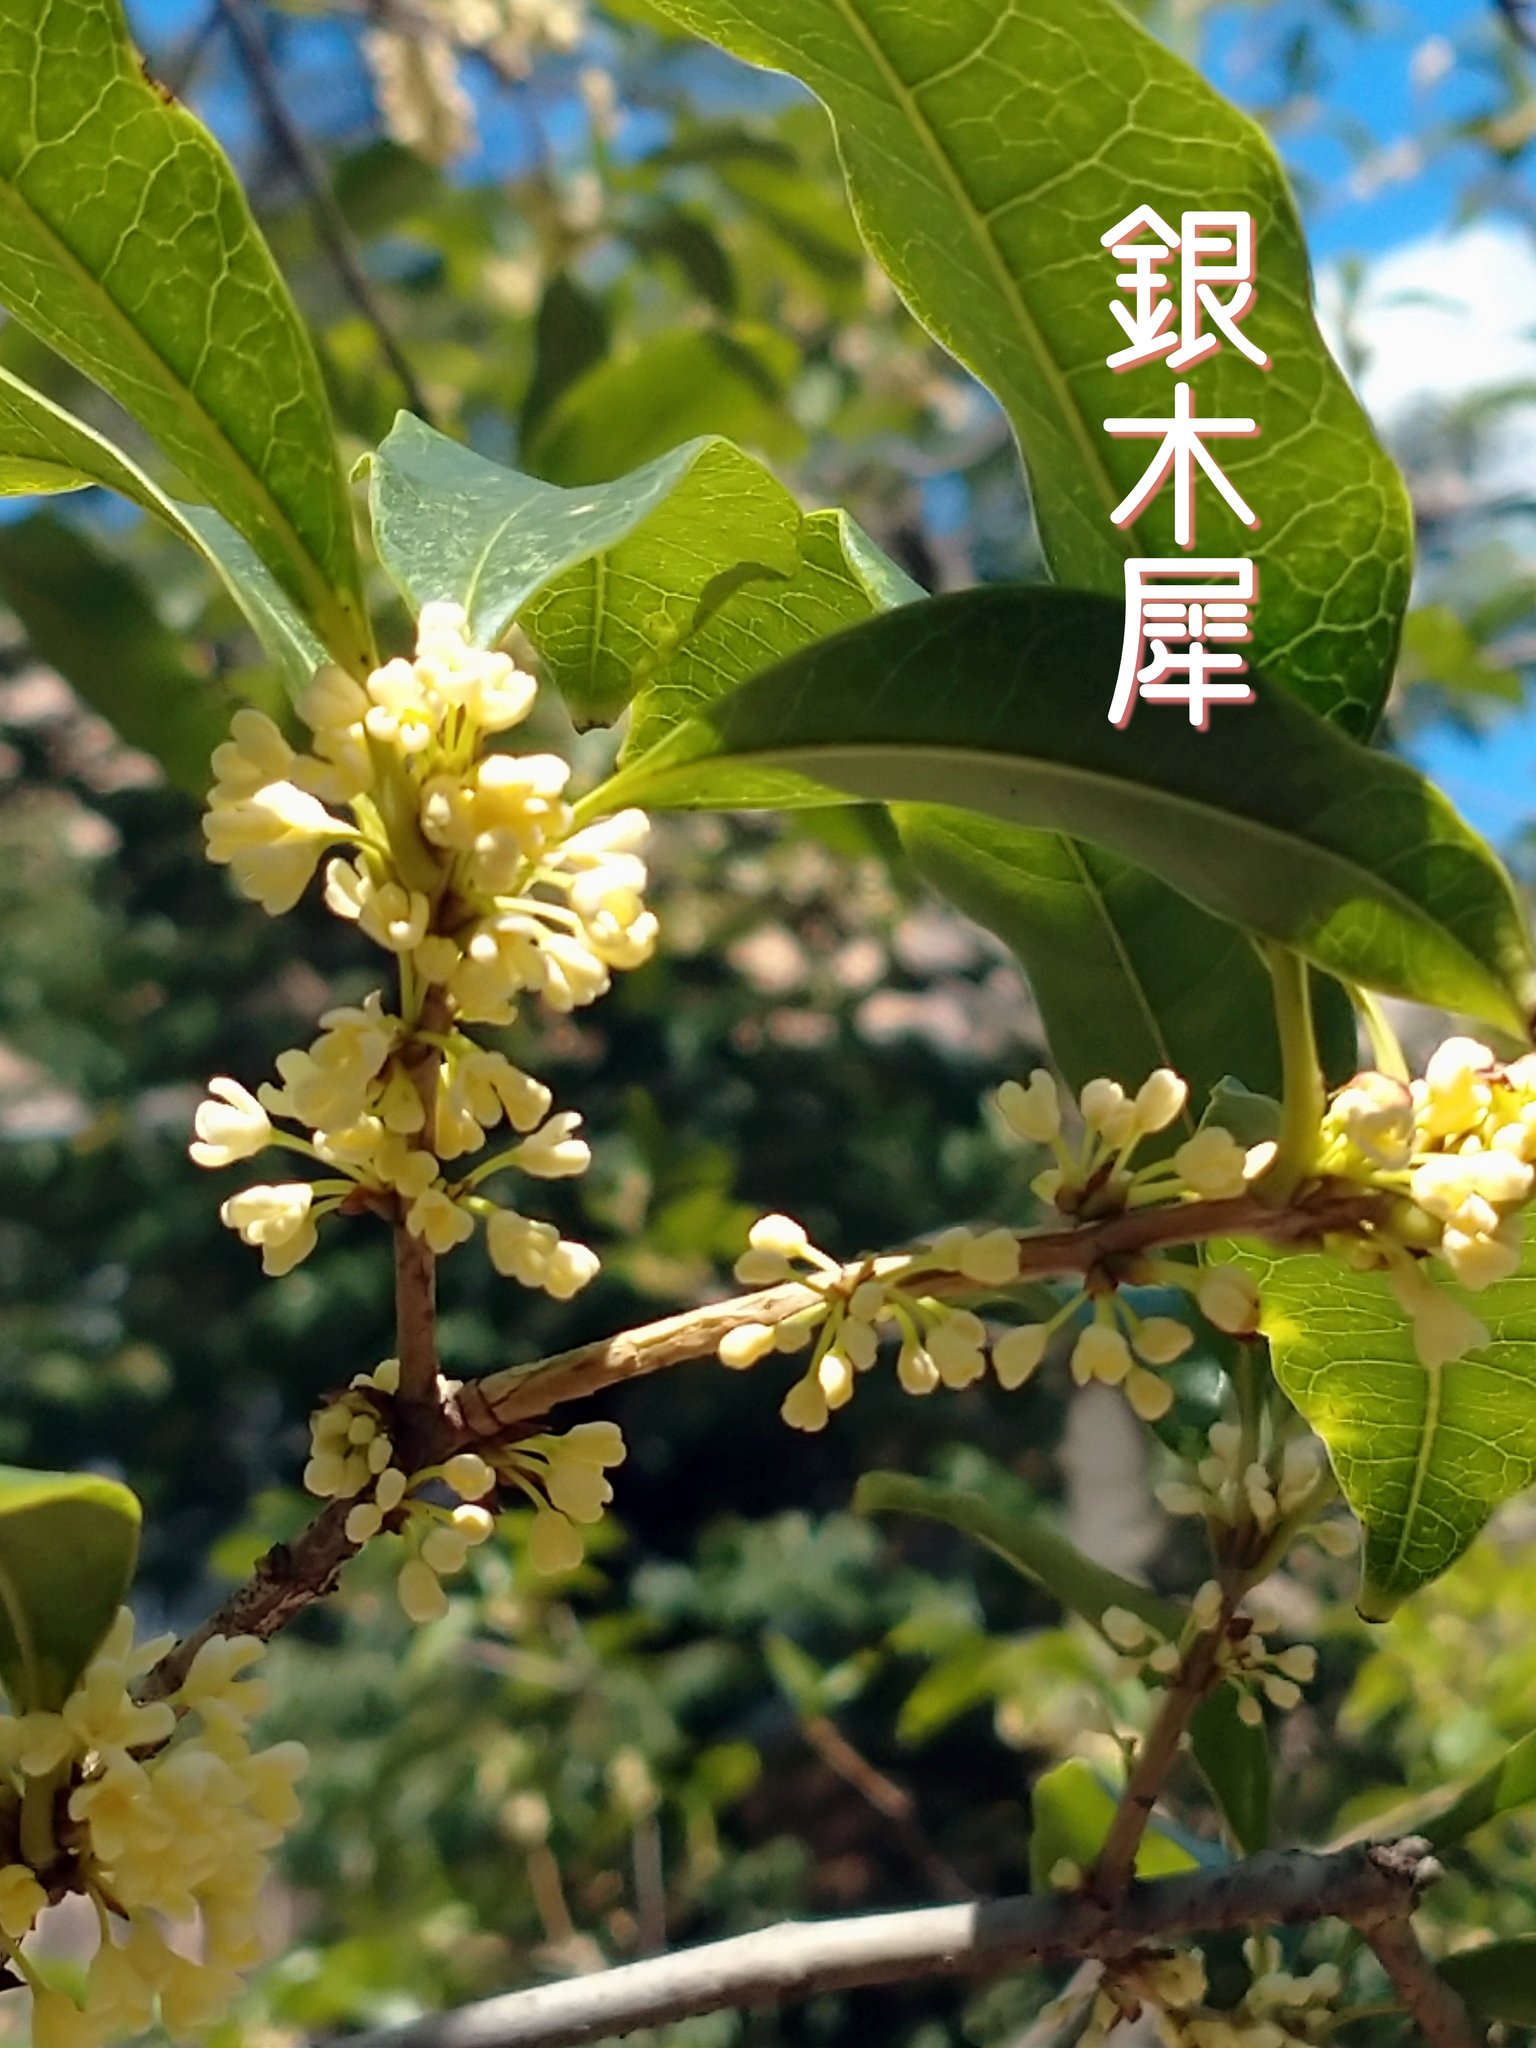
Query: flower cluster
1095,1176
1243,1655
1278,2009
159,1813
463,863
1459,1150
351,1459
942,1345
1283,1490
426,106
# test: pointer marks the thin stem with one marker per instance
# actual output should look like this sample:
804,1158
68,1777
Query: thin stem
503,1405
1155,1760
39,1843
1386,1050
330,224
1303,1097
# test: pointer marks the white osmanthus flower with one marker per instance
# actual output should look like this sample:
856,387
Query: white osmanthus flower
351,1459
1281,1487
422,98
939,1344
171,1815
1459,1149
1169,1988
483,889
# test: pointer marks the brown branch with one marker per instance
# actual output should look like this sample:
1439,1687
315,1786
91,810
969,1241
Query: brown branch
1154,1760
1112,1245
416,1326
291,1577
1441,2016
1368,1887
291,143
505,1403
894,1803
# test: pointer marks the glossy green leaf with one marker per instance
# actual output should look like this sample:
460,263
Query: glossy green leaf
1028,1542
40,439
672,387
607,580
1504,1786
1424,1455
127,245
986,153
114,650
1071,1810
1498,1981
1128,975
68,1542
1350,858
840,577
1234,1760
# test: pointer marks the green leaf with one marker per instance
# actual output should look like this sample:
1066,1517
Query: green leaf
689,239
68,1542
1504,1786
40,438
1440,648
672,387
984,700
1234,1760
1128,975
1424,1454
127,245
840,578
1233,1757
1071,1811
1028,1542
570,337
607,580
113,650
1498,1981
986,152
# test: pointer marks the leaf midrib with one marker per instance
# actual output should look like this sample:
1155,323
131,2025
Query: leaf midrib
1435,1379
316,582
792,758
1077,426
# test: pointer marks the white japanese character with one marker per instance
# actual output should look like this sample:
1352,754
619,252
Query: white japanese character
1215,248
1146,323
1165,609
1207,239
1182,450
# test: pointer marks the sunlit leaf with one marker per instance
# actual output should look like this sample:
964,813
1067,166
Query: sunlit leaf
1071,1810
986,152
1424,1454
39,440
126,243
68,1542
608,580
1349,858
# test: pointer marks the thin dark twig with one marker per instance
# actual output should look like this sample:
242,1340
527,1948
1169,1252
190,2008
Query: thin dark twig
336,237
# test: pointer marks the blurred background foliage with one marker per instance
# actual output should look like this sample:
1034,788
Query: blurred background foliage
576,239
